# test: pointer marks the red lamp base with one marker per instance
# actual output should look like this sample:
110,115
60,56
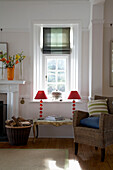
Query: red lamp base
73,108
41,109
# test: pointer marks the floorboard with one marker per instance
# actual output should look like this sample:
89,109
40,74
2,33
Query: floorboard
87,158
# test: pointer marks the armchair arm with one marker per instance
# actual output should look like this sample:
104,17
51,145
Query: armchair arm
106,122
78,115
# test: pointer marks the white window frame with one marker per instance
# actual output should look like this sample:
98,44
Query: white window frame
57,56
75,62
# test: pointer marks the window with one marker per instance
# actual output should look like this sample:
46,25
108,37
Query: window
56,42
56,74
57,63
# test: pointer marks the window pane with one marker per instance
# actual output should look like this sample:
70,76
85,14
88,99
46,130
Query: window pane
61,87
51,77
61,64
61,77
51,64
56,74
51,87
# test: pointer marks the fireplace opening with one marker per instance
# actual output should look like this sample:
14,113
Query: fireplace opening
3,118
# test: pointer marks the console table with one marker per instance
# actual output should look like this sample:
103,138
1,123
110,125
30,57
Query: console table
48,122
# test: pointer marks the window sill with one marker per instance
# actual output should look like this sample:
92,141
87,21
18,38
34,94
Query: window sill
57,101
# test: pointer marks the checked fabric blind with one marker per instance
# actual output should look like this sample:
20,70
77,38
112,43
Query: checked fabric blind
56,41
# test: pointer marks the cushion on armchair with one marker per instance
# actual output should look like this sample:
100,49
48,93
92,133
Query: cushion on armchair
109,102
92,122
95,107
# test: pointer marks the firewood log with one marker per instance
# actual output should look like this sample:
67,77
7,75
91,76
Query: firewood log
13,124
17,122
8,122
20,119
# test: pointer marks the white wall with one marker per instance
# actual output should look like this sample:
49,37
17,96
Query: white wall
20,14
16,19
85,64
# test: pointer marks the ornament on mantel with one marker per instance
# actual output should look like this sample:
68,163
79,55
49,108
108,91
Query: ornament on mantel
21,70
10,62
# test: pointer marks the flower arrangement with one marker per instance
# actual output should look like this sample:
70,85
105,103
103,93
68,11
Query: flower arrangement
12,60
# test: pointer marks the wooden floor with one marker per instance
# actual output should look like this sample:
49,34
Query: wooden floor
87,159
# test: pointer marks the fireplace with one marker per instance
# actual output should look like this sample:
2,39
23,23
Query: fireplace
3,118
11,89
9,102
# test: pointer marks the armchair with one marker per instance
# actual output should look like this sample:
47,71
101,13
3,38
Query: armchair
101,137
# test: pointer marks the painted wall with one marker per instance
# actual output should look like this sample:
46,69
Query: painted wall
16,19
21,14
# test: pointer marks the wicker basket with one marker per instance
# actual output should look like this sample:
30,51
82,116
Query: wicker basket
18,135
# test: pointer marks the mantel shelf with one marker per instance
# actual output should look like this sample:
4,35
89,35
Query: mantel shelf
11,82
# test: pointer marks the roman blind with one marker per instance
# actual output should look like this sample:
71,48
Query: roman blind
56,40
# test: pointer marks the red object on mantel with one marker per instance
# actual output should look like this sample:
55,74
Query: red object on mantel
41,95
74,95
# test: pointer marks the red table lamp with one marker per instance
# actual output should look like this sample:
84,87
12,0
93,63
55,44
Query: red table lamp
41,95
74,95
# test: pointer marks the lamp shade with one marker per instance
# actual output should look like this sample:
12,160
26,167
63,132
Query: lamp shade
74,95
41,95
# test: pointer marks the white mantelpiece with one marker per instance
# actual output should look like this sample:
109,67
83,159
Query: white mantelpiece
11,88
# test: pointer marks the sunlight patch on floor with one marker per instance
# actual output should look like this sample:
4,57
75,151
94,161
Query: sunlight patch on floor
72,165
52,165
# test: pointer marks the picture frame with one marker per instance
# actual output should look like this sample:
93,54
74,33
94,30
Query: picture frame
3,49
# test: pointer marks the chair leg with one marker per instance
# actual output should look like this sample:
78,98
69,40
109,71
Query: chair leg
76,148
102,154
96,148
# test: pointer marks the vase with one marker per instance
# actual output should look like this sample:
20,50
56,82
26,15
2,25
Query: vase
1,71
10,73
21,70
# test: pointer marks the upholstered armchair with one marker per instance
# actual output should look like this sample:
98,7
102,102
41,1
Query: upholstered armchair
101,137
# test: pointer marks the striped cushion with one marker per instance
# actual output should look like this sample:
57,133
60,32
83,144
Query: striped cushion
97,106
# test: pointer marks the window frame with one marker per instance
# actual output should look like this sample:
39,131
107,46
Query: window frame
75,62
57,56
